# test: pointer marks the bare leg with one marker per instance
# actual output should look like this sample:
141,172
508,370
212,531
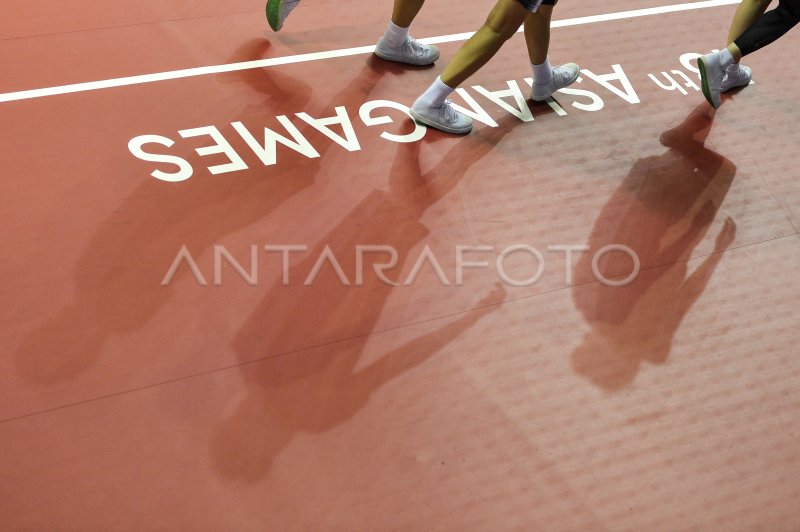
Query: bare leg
537,34
747,13
396,43
502,23
735,52
405,11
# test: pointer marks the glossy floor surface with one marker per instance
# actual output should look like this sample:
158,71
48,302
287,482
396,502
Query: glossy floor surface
162,369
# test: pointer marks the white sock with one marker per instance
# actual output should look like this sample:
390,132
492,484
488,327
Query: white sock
436,94
543,74
725,58
395,36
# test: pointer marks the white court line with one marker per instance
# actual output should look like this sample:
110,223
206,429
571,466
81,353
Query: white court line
317,56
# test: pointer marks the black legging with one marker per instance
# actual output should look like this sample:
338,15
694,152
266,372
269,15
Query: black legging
769,26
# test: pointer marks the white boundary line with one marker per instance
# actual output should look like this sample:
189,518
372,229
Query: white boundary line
317,56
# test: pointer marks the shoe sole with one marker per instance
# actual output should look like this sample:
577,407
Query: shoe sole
273,14
400,60
737,86
446,129
701,65
541,99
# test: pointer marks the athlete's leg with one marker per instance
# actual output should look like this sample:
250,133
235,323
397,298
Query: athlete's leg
537,32
405,11
396,43
432,107
502,23
765,30
546,79
746,14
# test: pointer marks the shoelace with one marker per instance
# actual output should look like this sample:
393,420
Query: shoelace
732,78
416,48
450,114
738,71
561,74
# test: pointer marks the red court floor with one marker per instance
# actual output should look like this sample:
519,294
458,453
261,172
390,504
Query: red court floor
139,393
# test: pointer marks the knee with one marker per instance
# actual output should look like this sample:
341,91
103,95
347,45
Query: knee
502,29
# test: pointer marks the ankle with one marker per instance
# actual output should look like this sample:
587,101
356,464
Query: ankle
725,58
436,94
395,36
543,72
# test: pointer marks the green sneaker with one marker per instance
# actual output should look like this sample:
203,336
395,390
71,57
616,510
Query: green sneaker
278,10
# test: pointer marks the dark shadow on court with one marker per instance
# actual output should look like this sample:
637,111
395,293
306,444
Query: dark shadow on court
118,277
314,390
277,89
662,211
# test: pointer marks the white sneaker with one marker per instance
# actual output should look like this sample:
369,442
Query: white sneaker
711,75
278,10
411,51
444,117
563,76
736,75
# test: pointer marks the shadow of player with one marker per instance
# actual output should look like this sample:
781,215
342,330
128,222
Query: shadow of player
118,276
662,211
314,390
